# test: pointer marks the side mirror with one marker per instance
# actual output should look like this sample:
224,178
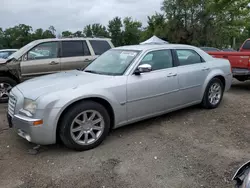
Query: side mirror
143,68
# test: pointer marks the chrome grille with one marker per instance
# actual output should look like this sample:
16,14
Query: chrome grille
11,105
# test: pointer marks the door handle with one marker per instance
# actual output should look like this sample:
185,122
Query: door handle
86,60
53,63
172,74
205,69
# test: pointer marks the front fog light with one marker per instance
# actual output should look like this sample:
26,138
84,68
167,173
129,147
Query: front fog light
29,105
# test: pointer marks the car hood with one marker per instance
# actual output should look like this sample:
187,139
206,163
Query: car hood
36,87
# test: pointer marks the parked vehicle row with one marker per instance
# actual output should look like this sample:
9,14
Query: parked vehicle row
47,56
123,85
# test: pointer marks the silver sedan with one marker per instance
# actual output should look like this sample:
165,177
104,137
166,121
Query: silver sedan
124,85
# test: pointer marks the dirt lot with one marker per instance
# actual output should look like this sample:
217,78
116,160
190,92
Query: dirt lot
188,148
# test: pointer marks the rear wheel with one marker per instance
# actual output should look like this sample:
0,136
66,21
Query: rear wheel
84,126
213,94
6,84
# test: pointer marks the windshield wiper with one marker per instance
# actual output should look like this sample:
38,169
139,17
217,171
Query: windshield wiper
91,71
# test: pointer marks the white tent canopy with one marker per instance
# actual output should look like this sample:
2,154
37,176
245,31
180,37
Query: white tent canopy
154,40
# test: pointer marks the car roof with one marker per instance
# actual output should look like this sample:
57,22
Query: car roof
142,47
2,50
67,39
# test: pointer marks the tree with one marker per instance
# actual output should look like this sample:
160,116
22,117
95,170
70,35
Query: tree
115,31
17,36
2,39
200,22
38,34
48,34
77,34
132,31
156,26
52,29
67,34
87,31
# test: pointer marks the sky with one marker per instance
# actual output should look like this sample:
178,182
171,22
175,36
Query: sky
72,15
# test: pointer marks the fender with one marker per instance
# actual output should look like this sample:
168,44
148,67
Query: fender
211,75
63,102
241,170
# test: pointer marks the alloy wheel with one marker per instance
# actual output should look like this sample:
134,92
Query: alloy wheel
87,127
215,92
5,90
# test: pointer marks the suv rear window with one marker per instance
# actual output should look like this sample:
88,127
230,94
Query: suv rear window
74,48
99,46
246,45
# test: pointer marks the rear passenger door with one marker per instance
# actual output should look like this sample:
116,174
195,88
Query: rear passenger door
74,54
192,72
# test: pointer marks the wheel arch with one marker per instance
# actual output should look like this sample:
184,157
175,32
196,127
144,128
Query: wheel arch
217,74
106,104
8,74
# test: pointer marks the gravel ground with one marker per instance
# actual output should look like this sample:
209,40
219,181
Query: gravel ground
188,148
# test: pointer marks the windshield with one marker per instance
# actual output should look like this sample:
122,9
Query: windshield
112,62
20,52
4,55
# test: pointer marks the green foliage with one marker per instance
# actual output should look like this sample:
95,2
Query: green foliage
132,31
197,22
66,34
115,31
20,35
78,34
205,23
95,30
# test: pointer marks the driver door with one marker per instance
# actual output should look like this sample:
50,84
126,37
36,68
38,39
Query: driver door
154,92
41,60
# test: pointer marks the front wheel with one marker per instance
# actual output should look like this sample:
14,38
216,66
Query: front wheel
213,94
84,126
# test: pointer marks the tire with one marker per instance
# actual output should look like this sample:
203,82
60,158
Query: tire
206,103
68,123
4,83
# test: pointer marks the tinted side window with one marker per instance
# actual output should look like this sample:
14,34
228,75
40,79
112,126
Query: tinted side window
45,50
99,46
188,57
246,45
160,59
72,48
85,48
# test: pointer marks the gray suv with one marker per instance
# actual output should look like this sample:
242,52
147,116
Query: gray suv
47,56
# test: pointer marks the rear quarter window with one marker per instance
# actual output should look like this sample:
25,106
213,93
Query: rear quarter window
100,46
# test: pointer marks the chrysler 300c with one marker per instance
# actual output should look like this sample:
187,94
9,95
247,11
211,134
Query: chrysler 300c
122,86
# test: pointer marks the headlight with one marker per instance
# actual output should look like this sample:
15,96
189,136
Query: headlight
29,105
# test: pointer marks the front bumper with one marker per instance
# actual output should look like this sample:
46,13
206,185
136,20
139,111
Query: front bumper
38,134
241,72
